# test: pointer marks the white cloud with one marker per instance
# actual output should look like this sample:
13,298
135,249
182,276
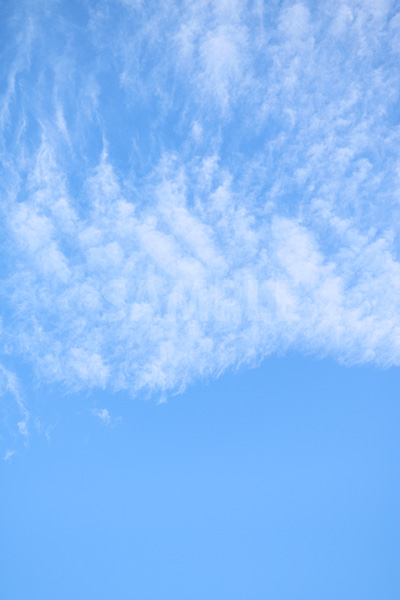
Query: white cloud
9,384
103,415
14,414
217,181
8,455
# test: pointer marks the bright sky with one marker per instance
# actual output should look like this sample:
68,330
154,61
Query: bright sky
200,299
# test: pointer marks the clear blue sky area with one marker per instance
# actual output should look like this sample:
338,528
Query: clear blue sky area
281,482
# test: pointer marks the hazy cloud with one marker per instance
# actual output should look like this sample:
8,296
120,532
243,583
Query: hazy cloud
103,414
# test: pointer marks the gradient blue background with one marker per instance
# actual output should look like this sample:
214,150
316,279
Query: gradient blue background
279,483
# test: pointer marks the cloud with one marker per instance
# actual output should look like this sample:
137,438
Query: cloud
8,455
9,384
103,414
14,414
212,183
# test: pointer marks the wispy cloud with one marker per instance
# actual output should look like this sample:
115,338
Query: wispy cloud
103,415
199,186
14,414
8,455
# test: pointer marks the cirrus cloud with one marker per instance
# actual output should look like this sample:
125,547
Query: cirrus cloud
213,182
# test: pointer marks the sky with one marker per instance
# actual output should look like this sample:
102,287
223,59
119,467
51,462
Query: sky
199,299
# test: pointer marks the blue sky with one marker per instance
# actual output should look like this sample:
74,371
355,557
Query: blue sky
278,482
200,298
